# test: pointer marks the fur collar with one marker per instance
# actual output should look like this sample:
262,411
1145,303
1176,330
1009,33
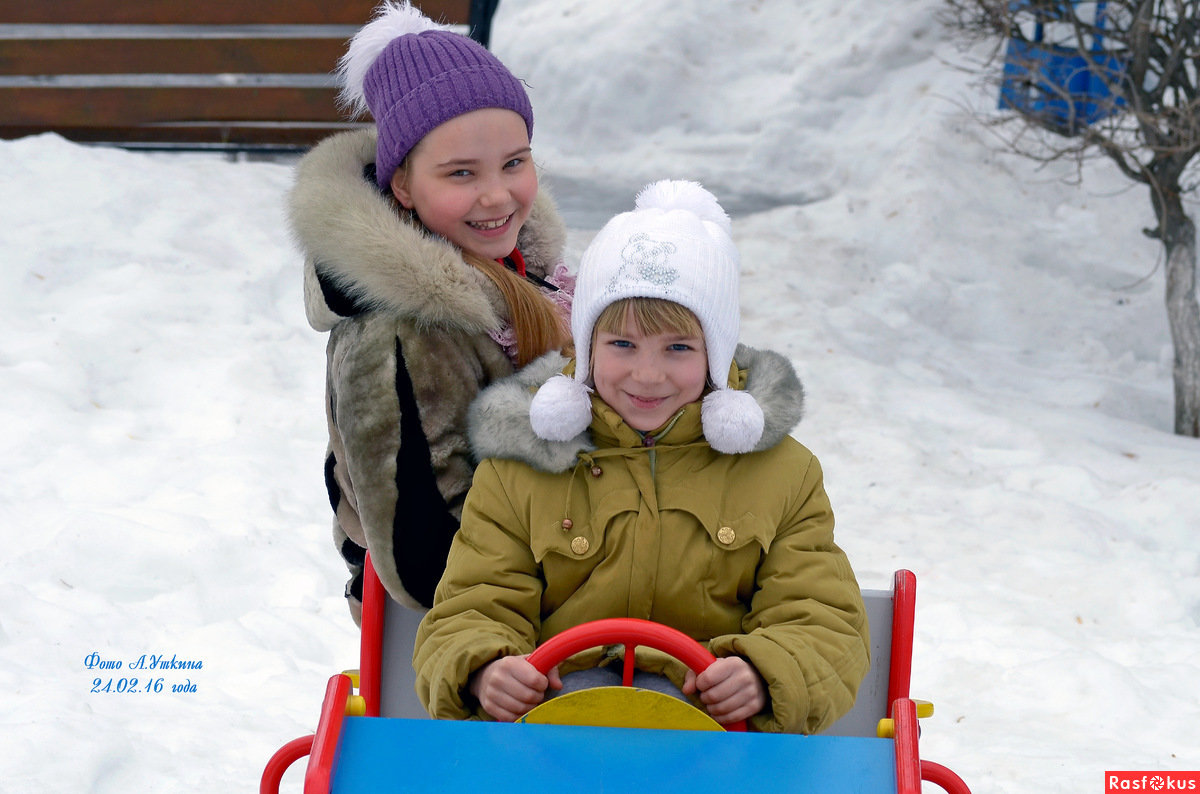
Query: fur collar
499,425
360,255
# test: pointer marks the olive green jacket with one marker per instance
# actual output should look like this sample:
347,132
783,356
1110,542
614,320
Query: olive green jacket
736,551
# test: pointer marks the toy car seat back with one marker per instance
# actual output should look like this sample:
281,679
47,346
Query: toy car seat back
387,678
890,615
397,693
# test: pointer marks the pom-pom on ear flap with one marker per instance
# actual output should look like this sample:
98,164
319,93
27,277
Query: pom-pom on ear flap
732,420
561,409
678,194
392,19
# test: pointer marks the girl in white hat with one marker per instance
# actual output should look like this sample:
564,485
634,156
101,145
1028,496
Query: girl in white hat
653,477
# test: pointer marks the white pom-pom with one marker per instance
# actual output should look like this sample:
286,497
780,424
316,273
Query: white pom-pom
732,420
678,194
561,409
391,19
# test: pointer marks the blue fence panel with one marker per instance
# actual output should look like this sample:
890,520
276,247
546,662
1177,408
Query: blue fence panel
1065,89
1059,86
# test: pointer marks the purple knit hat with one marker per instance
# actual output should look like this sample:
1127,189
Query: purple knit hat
413,75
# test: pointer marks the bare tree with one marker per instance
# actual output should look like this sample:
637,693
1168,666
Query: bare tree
1119,79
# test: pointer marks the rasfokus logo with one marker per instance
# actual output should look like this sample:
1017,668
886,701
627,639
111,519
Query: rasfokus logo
1151,781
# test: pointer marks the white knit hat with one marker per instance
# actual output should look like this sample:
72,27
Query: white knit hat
674,245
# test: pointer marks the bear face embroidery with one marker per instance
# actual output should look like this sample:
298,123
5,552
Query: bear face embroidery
647,259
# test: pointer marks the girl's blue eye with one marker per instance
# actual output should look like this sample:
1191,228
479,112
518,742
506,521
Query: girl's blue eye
513,163
621,343
680,346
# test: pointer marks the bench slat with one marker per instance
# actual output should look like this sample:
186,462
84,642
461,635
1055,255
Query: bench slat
142,12
146,71
55,108
226,135
41,57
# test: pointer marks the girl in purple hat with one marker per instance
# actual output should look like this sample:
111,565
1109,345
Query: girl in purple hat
435,263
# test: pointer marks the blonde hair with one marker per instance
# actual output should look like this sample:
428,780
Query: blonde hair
652,316
538,326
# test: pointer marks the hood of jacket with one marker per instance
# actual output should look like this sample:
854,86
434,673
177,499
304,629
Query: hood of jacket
499,425
361,255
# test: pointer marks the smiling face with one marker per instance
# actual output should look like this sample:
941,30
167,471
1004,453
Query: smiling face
472,181
647,376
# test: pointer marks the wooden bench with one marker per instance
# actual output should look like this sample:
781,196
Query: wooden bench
176,74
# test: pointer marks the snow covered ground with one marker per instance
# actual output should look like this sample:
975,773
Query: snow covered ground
984,346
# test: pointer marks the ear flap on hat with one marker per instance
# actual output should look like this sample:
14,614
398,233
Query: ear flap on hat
561,409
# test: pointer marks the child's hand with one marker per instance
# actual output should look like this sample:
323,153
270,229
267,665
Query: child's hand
511,686
731,689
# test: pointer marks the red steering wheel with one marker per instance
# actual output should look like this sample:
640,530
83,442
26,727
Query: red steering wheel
629,632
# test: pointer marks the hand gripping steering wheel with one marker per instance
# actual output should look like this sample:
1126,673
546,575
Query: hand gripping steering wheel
629,632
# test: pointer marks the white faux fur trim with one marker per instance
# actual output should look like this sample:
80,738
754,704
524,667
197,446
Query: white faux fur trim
732,420
561,409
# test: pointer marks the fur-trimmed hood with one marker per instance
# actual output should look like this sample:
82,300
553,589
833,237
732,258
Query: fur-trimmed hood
499,425
359,254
